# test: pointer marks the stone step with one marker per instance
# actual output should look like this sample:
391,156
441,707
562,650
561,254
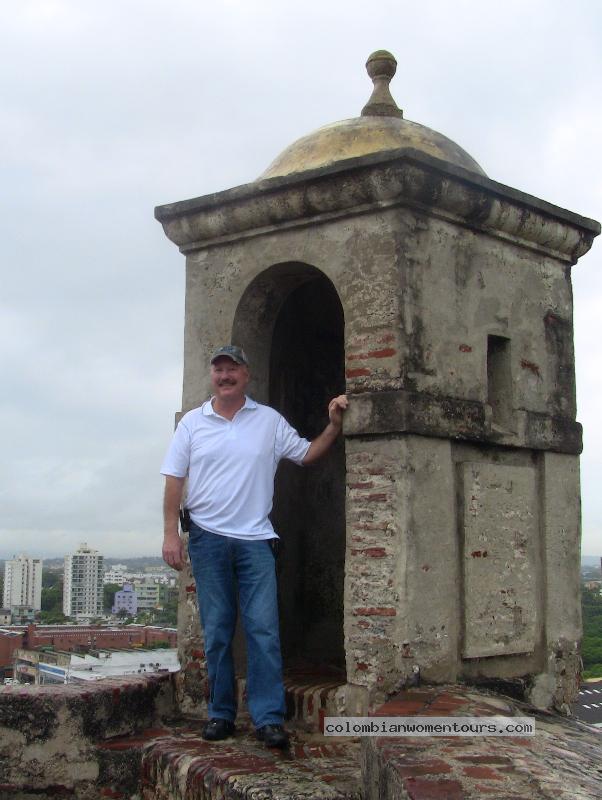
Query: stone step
178,765
311,693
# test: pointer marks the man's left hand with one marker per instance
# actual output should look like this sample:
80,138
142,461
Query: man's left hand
336,407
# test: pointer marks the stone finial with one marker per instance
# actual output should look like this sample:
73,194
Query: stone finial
381,66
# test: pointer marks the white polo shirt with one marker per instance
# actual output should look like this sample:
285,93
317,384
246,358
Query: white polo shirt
231,466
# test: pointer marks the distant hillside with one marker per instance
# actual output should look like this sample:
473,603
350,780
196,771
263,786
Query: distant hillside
590,561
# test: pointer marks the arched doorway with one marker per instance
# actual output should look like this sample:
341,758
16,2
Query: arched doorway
291,322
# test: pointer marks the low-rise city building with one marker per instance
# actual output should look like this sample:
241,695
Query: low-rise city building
79,639
43,667
147,595
115,576
126,600
22,615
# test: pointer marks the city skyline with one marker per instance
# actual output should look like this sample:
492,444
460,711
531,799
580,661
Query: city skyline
92,308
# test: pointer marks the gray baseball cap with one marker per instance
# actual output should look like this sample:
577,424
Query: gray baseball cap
231,351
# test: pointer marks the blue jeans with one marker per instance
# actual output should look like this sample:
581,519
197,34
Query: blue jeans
224,567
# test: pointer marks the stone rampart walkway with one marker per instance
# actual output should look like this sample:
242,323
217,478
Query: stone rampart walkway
121,741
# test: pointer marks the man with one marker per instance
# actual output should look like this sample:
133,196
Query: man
229,449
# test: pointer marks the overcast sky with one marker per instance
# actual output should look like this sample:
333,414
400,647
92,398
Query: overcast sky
110,108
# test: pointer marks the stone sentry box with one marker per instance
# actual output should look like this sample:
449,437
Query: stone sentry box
441,537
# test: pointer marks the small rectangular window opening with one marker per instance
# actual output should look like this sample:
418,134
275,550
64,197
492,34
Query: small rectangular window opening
499,379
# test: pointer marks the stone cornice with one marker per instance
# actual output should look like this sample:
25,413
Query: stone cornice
403,177
397,411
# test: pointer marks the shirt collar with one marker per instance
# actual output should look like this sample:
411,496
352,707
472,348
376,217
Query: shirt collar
207,407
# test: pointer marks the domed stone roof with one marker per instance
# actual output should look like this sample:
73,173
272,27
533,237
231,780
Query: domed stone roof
381,127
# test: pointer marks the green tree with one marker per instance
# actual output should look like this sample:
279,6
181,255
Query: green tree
52,598
591,647
108,595
168,615
50,578
53,617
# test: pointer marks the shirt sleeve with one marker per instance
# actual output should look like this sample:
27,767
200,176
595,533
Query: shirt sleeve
289,444
177,458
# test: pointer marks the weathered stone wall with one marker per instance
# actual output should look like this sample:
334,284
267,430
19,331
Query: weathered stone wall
50,735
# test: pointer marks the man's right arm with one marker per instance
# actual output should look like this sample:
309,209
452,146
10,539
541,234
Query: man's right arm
173,553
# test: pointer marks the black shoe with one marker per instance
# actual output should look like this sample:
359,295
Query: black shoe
217,729
273,736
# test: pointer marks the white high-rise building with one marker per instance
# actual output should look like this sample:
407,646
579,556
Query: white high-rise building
23,582
82,591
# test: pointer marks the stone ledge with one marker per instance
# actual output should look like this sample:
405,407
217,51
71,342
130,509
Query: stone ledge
49,734
399,411
184,767
560,762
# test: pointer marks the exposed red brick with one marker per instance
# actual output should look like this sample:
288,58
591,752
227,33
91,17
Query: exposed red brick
385,352
482,772
371,552
361,666
449,698
443,708
532,367
377,497
191,588
383,611
356,373
465,348
133,742
433,767
484,759
423,789
197,653
361,485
